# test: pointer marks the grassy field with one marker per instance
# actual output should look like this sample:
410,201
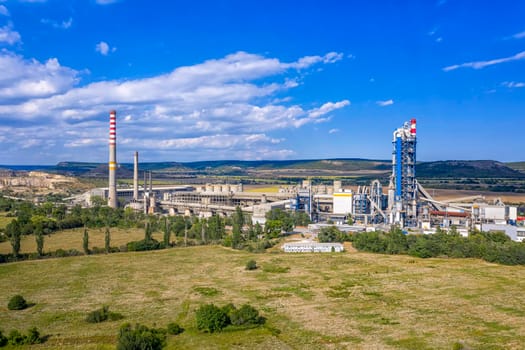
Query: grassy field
5,220
334,301
72,239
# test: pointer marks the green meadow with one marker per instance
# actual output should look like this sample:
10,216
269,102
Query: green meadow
350,300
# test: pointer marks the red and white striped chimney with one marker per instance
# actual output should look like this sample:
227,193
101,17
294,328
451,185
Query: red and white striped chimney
112,193
413,127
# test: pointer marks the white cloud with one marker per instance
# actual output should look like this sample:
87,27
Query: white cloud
482,64
4,11
385,103
106,2
229,106
333,131
519,35
66,24
513,84
103,48
327,108
23,79
8,35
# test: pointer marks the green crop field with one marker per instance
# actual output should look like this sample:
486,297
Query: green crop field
335,301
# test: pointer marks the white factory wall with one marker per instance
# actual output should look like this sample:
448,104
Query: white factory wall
342,203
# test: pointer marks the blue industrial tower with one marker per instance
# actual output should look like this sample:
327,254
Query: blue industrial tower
402,194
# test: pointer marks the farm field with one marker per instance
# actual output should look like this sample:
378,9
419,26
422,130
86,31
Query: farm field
350,300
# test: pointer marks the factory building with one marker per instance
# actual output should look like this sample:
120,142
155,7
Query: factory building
312,247
406,204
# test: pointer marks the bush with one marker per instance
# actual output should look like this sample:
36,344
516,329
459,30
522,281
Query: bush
151,244
17,302
16,338
3,339
251,265
103,314
33,336
210,318
140,337
174,328
246,315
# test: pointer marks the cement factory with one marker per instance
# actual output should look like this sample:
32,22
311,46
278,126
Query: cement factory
405,204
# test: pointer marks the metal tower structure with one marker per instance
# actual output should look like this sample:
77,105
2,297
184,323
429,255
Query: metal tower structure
403,185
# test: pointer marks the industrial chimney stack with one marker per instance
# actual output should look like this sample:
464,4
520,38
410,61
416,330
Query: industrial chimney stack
112,193
136,177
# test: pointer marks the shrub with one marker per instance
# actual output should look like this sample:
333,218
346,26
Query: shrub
210,318
251,265
33,336
103,314
174,328
15,337
3,339
17,302
140,337
245,315
143,245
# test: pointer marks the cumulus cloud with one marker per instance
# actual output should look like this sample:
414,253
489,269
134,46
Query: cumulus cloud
8,35
513,84
23,79
66,24
104,49
333,131
228,106
4,11
385,103
482,64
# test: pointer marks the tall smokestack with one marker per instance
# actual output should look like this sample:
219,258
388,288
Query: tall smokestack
136,177
413,127
112,194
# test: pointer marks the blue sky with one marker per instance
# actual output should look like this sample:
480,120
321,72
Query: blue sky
237,79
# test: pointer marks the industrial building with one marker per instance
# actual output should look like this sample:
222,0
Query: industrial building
405,204
312,247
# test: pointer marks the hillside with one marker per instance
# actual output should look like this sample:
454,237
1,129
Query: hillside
319,301
467,169
304,168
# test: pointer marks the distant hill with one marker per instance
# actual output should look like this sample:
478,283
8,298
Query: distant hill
466,169
438,169
520,166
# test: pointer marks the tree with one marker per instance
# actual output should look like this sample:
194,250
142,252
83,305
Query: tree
85,241
329,234
14,232
272,228
107,240
148,232
39,239
167,232
258,230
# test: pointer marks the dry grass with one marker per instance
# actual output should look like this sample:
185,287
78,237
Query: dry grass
334,301
72,239
5,220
